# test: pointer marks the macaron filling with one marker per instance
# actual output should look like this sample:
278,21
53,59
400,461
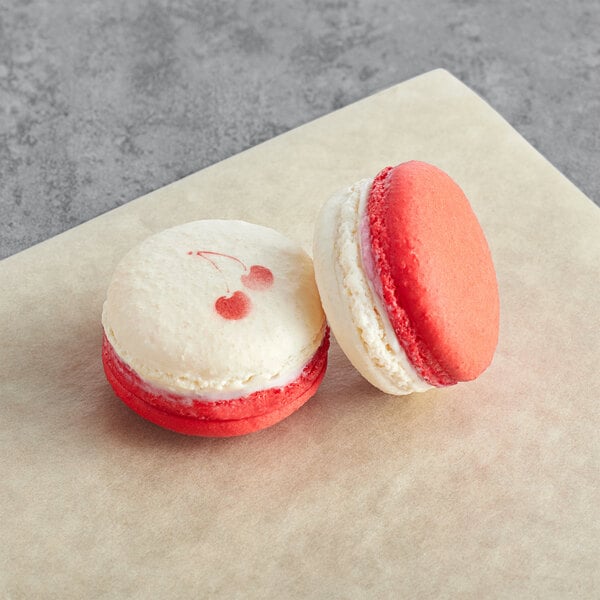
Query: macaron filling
158,405
291,371
391,369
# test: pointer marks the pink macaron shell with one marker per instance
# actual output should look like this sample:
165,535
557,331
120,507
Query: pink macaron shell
435,267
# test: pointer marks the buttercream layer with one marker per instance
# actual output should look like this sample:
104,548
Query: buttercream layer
196,416
356,315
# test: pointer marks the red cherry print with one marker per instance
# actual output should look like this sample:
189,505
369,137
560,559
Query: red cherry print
258,278
237,305
233,307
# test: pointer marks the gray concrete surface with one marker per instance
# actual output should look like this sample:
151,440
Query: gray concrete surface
104,100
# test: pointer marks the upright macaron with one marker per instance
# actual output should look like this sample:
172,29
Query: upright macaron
407,280
214,328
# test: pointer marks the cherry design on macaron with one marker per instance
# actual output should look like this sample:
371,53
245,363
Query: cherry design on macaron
258,278
237,305
234,306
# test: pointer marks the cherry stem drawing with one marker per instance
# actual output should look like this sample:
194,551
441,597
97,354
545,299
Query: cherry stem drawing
202,253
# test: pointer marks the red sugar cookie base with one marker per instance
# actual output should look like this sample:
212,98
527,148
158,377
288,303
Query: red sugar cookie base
222,418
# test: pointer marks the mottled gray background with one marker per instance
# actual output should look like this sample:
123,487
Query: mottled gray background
104,100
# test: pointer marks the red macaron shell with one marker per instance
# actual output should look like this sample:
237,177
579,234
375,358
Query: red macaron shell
437,276
213,418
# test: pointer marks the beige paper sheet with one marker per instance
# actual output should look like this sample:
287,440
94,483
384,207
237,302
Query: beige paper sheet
485,490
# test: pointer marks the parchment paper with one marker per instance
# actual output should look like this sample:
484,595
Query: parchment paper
484,490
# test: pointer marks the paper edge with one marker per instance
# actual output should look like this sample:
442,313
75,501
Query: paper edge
440,72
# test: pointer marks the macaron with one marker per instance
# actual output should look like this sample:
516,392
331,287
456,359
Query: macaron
214,328
406,279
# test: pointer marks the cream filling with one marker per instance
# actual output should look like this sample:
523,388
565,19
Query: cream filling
188,397
212,391
366,306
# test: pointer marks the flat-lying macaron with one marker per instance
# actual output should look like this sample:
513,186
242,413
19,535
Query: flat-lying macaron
406,279
214,328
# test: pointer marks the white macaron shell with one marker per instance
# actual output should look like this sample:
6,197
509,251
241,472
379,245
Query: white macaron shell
355,313
160,314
